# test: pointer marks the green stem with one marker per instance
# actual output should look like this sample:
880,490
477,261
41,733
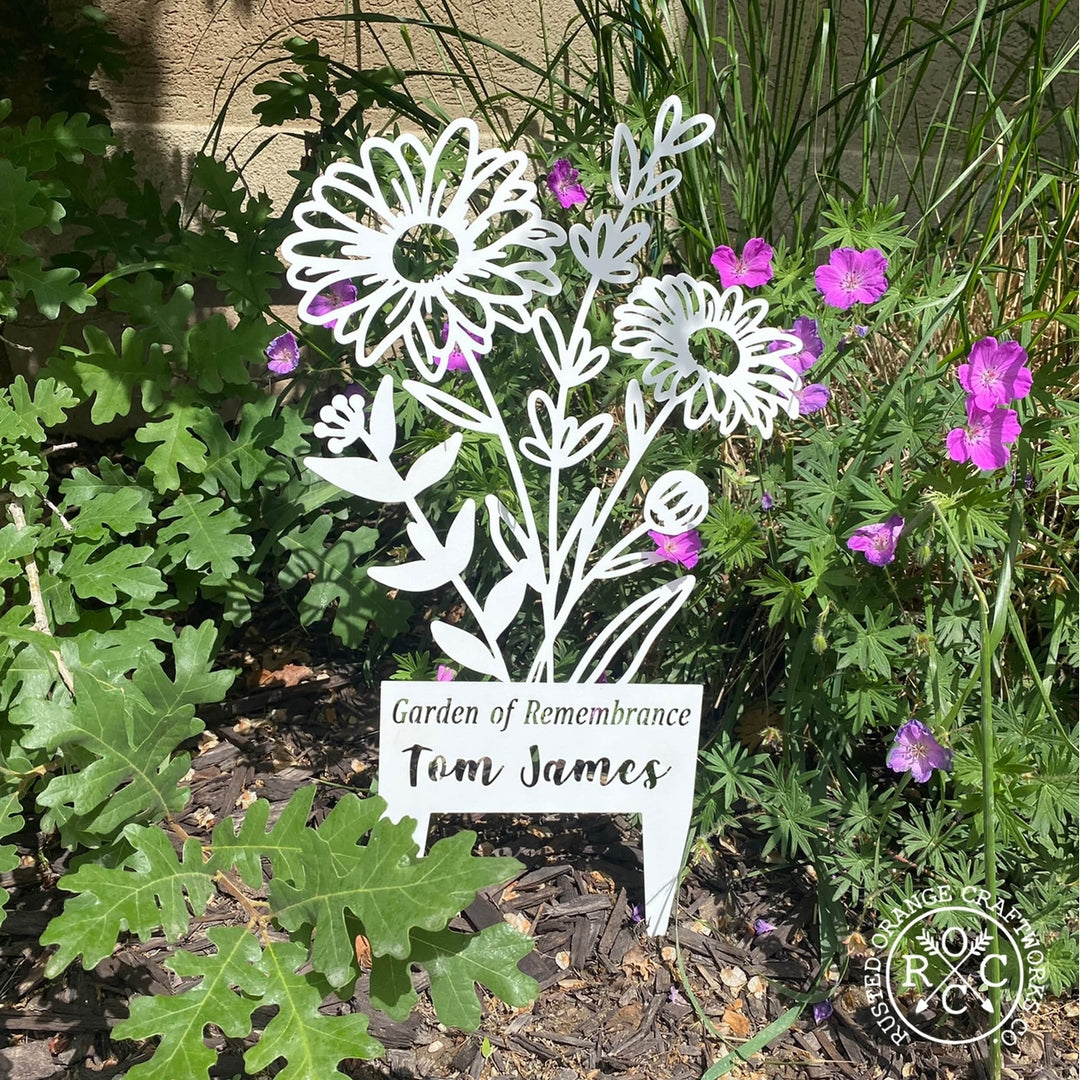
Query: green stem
986,743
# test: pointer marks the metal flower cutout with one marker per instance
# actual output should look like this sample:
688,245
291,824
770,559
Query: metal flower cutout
672,322
403,227
708,357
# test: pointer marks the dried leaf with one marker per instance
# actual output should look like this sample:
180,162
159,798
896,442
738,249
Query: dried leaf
363,952
737,1023
562,960
733,977
288,675
636,963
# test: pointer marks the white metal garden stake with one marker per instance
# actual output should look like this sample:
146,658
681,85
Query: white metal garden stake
453,239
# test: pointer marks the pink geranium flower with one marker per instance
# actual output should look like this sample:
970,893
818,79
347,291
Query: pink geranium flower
986,439
812,398
916,751
457,360
806,330
995,373
445,674
340,294
878,542
752,268
283,354
682,548
564,184
852,277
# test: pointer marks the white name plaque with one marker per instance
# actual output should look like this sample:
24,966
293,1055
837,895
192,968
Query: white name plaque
482,747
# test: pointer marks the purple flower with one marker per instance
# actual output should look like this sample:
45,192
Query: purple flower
283,354
812,398
563,181
637,914
806,330
852,277
674,996
822,1011
995,373
763,926
340,294
752,268
986,438
878,542
766,502
682,548
445,674
457,360
916,751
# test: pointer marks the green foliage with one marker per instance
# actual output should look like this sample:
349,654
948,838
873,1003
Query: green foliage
120,581
335,580
382,884
239,978
354,873
122,736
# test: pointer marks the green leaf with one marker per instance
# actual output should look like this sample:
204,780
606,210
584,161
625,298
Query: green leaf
151,888
284,845
10,822
45,408
39,144
205,534
111,503
239,978
119,570
19,209
177,445
219,353
874,641
383,884
339,578
165,322
51,288
218,182
312,1044
455,963
113,378
15,545
193,682
181,1020
235,464
128,730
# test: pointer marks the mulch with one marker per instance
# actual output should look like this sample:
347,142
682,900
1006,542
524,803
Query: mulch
612,1002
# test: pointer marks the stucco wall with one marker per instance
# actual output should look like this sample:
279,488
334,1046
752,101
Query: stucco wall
189,55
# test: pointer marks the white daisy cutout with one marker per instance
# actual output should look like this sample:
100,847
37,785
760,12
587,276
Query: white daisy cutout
709,351
451,235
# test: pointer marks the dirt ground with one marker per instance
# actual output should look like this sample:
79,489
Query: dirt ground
613,1002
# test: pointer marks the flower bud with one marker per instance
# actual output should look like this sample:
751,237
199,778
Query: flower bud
676,502
819,643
